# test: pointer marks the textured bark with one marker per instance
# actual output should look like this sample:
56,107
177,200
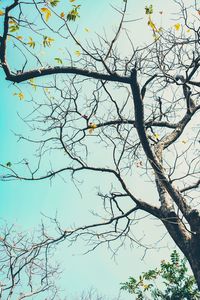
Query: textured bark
193,257
187,241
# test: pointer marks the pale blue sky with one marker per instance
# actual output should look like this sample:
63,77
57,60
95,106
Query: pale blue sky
23,202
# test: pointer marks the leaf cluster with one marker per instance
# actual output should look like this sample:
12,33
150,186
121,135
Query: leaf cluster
74,13
176,282
149,10
54,3
47,41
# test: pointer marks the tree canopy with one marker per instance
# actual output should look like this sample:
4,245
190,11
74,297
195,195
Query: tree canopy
113,108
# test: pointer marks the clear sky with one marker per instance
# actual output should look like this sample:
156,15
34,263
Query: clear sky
23,202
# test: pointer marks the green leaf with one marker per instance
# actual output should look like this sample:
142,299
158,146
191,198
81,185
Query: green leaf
58,60
177,283
8,164
14,28
175,257
74,13
54,3
149,10
31,43
47,41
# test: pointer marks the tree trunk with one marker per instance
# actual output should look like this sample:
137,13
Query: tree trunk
187,241
194,251
194,258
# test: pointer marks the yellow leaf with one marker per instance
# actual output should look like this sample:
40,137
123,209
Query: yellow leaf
50,40
72,0
92,126
177,26
77,53
31,42
152,25
62,15
19,37
146,286
156,135
21,96
1,13
86,29
46,12
12,22
188,30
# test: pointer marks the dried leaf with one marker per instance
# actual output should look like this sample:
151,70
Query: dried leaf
92,126
46,12
21,96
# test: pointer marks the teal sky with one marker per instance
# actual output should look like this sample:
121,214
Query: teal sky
23,203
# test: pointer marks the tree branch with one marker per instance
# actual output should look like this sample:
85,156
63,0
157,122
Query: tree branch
139,119
65,70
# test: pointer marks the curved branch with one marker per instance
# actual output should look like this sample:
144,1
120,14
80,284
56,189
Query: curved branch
65,70
3,39
139,119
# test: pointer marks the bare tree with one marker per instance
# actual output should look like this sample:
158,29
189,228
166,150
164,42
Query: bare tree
92,294
26,270
28,267
138,106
